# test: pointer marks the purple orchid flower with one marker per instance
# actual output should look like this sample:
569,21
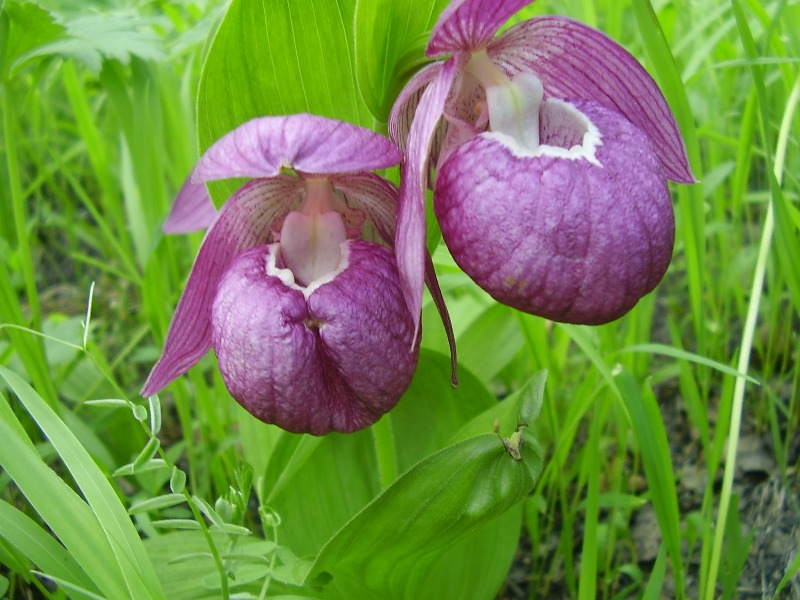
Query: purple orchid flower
304,312
552,147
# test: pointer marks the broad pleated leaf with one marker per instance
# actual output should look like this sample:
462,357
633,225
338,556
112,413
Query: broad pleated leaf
390,40
297,58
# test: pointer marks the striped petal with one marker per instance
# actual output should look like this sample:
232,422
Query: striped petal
246,221
467,25
405,106
410,235
307,143
375,196
192,210
577,61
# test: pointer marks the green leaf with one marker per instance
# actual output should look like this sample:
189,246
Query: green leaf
155,414
232,529
156,503
182,524
38,546
139,412
429,507
77,591
390,41
520,408
101,497
317,484
182,561
277,57
177,481
93,38
70,518
338,475
147,453
651,435
690,356
491,341
108,402
208,511
153,465
30,27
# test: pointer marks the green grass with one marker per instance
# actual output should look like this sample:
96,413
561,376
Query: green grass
91,154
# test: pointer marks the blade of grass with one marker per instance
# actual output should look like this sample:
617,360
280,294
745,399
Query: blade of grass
41,549
690,199
689,356
588,570
755,293
651,435
127,547
20,214
67,515
29,349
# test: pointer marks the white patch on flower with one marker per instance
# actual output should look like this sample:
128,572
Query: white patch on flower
287,277
571,134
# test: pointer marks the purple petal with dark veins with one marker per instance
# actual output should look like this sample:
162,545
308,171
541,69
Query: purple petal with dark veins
375,196
245,221
566,239
467,25
405,105
577,61
410,235
192,210
308,143
334,362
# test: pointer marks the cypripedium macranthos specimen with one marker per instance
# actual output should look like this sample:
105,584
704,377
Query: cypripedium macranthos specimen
291,287
551,148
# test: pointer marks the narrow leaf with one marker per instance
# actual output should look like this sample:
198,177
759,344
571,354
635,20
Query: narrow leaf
156,503
147,453
155,414
184,524
177,481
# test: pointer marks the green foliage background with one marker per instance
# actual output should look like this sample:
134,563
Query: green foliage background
103,494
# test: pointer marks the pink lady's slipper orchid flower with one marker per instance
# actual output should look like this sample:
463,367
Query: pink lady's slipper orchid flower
552,147
306,316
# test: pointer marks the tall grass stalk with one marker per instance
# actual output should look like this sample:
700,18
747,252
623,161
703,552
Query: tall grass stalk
756,291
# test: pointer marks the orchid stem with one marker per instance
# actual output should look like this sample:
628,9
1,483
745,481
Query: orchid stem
385,451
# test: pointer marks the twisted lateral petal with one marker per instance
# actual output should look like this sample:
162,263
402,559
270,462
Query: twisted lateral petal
438,300
467,25
307,143
577,61
334,362
374,195
410,234
192,210
244,222
569,239
405,106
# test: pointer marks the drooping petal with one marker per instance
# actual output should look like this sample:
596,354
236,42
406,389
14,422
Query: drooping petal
569,236
410,235
467,25
438,299
405,106
192,210
335,361
577,61
303,142
244,222
375,196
